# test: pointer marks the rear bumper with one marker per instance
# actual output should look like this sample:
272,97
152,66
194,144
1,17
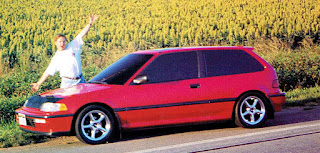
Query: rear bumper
52,125
277,101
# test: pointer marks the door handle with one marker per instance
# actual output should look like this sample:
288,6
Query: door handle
193,86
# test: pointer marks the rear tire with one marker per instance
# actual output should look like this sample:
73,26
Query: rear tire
251,110
94,125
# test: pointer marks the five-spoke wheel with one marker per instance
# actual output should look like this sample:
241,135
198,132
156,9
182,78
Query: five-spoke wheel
251,110
94,125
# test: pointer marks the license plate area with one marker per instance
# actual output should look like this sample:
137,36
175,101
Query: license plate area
22,119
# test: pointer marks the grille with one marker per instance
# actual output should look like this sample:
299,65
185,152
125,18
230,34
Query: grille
30,122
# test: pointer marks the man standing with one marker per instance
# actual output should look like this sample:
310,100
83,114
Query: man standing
67,60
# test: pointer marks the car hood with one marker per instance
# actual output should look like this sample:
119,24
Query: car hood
75,90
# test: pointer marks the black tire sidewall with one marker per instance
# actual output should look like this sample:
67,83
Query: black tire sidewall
78,130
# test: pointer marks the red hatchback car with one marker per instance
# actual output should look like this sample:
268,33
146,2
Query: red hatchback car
160,87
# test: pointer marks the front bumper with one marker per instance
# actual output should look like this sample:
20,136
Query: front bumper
44,123
277,101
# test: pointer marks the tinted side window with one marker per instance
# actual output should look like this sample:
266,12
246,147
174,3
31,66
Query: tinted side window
228,62
172,67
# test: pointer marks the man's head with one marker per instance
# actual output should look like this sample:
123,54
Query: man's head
60,42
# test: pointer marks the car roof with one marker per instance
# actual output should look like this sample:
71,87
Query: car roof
182,49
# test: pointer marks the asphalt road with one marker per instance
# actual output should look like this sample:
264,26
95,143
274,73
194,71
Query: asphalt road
295,129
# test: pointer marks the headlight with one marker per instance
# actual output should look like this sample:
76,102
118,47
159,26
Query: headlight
53,107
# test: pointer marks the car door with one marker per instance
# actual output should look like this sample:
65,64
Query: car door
170,95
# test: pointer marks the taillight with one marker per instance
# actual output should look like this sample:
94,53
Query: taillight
275,83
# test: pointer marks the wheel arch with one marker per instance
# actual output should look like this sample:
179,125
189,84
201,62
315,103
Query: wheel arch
270,114
114,115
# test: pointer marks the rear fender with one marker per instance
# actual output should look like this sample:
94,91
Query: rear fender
269,106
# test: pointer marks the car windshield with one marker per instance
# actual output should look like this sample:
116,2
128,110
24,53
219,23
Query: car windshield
119,72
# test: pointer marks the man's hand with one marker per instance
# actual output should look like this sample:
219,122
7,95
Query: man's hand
35,87
93,18
86,29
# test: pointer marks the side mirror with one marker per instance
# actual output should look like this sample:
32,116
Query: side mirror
140,79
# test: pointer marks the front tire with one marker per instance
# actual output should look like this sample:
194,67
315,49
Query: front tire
94,125
251,110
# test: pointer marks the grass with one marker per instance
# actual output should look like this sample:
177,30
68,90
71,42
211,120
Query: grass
11,135
302,97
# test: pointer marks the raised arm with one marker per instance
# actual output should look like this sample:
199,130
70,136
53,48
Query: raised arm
86,29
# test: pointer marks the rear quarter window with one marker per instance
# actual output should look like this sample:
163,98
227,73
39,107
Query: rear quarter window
230,62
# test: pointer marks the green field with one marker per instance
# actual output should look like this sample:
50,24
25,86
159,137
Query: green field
285,33
28,26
